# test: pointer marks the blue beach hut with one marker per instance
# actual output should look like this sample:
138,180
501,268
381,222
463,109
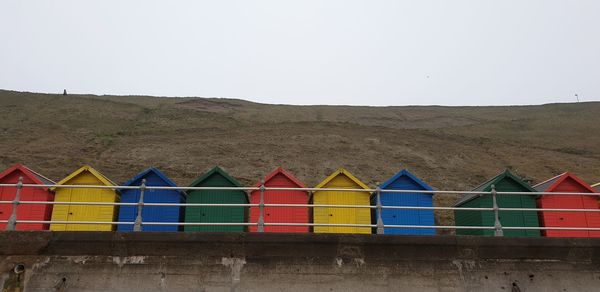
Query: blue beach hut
151,213
404,180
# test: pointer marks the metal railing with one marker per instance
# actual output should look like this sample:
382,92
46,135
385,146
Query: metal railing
261,224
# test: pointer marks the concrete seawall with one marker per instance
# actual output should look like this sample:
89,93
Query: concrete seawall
101,261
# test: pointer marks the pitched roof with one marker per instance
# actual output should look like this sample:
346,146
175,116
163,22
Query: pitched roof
344,172
408,174
145,173
87,168
289,176
152,170
214,170
36,177
487,186
552,183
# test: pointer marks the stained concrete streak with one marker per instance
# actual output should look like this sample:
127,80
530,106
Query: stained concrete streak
100,261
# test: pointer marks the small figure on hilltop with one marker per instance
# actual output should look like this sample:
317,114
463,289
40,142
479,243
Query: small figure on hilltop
64,92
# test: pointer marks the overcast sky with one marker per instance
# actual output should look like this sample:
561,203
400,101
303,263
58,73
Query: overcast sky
368,52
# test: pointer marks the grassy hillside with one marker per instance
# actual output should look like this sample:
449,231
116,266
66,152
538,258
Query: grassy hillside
449,147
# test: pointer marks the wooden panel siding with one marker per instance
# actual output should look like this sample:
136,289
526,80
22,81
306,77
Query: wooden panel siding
342,179
216,178
504,182
84,176
281,178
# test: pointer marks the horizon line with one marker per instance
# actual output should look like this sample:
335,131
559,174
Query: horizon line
292,104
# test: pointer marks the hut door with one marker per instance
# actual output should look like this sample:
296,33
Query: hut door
74,211
572,219
61,212
321,214
82,212
335,215
362,215
5,209
342,215
30,212
517,220
214,214
582,218
192,214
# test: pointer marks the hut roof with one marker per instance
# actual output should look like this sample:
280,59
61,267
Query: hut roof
36,177
282,171
344,172
408,174
145,173
487,186
87,168
214,170
550,184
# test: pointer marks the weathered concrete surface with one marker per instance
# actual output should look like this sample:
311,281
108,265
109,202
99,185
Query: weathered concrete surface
88,261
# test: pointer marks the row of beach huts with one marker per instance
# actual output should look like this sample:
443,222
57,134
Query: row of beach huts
340,179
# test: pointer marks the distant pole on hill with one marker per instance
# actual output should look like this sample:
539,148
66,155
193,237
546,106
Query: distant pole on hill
64,92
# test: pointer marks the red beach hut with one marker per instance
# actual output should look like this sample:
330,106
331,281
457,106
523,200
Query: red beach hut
281,178
568,183
26,211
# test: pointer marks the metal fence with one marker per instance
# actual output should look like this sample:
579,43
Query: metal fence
260,224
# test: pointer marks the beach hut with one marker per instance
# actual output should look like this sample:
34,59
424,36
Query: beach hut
341,179
26,211
86,175
170,214
568,183
404,180
282,179
504,182
216,177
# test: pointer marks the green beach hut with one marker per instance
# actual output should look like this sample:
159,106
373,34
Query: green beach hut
504,182
216,177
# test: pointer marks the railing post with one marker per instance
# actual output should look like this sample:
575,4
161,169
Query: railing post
497,225
12,221
261,208
137,226
380,229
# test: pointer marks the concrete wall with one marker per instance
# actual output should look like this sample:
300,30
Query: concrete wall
86,261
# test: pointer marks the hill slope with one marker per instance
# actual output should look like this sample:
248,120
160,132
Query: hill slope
449,147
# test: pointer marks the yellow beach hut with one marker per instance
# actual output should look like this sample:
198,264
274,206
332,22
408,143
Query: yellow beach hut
84,176
341,179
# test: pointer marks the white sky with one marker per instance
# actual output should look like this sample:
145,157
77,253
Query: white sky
450,52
